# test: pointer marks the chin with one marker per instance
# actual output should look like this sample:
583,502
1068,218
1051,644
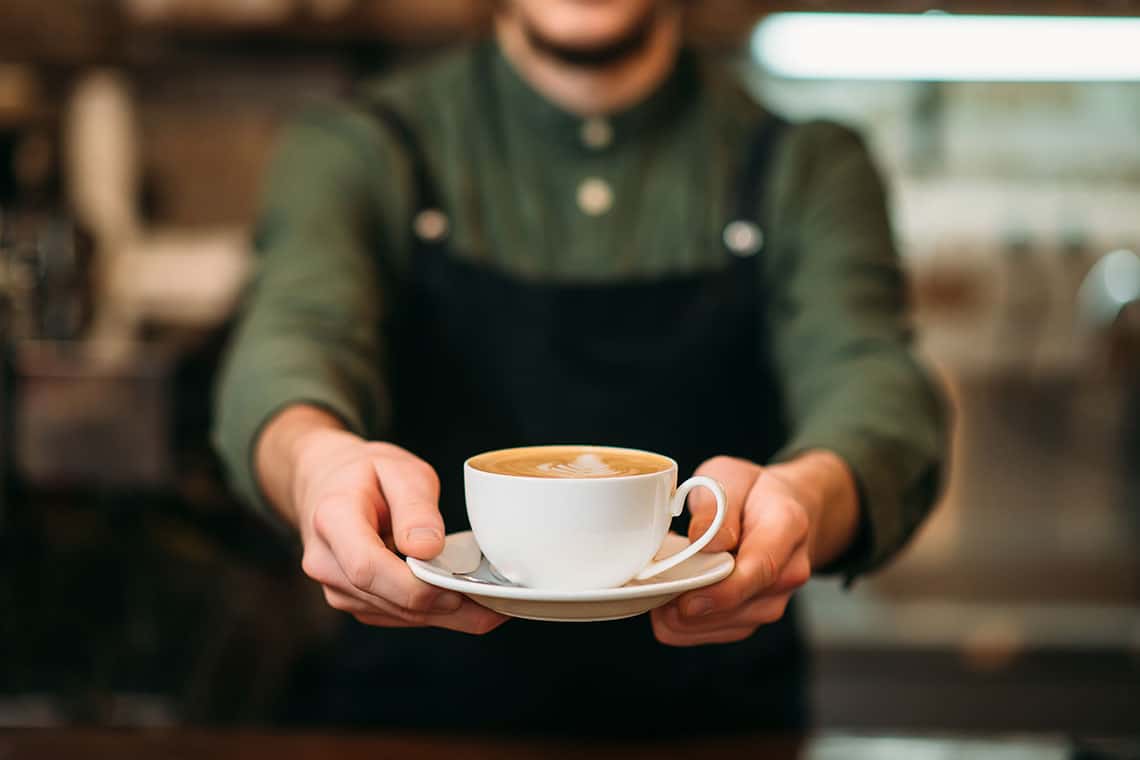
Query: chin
585,24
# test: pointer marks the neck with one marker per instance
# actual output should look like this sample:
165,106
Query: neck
589,90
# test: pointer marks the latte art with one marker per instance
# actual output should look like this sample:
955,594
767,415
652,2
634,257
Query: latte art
583,466
570,462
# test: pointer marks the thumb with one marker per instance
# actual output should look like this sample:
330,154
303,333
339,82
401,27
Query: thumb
411,489
736,476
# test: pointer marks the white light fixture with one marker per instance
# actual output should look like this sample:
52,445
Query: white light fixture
948,47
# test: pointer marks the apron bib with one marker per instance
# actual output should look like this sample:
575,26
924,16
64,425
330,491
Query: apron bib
483,360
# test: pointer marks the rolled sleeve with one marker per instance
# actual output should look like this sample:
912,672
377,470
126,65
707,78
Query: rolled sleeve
843,344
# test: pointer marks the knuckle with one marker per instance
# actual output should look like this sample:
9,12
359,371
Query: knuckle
490,624
765,569
482,625
376,621
380,449
769,615
800,521
417,507
324,518
393,461
728,535
310,565
414,618
335,601
423,472
732,599
799,575
782,607
360,571
795,516
724,464
719,463
726,595
771,612
666,635
740,635
419,598
673,635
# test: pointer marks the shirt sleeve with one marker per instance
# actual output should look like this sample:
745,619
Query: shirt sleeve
310,328
842,342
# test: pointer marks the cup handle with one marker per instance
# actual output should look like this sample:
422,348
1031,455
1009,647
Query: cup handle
675,508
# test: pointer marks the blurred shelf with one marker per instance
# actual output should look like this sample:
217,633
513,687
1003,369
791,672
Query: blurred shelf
1074,692
415,21
78,31
1003,7
864,617
62,32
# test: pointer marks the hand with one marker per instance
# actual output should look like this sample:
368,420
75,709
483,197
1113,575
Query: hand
781,519
355,504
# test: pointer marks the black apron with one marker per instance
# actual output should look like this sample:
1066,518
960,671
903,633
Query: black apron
482,360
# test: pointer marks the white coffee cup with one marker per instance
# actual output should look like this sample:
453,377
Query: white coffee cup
581,533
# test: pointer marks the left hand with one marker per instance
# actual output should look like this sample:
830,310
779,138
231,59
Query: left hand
773,521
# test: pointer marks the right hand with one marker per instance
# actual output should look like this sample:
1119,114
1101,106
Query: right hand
355,503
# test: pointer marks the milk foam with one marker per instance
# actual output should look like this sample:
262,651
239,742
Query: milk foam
582,466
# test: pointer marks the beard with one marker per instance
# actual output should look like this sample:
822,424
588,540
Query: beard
594,56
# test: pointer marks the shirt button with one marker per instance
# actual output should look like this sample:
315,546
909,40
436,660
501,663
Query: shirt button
596,133
595,197
743,238
431,225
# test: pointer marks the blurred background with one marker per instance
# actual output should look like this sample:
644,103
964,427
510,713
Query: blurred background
134,591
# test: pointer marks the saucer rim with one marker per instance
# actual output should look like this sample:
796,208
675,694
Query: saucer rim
428,573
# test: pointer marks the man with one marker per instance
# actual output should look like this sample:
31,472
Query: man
581,233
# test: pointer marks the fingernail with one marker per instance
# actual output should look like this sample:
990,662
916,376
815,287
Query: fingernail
447,603
698,606
423,535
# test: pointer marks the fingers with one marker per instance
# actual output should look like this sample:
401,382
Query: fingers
320,565
361,504
366,564
471,619
727,636
752,614
772,562
449,610
795,574
675,629
411,489
737,477
380,621
776,529
673,637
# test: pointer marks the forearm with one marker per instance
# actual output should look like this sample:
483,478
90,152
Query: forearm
887,423
277,451
827,488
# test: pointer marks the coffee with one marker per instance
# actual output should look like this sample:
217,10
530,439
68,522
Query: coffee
570,462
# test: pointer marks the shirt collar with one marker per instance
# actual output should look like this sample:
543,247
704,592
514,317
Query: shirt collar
521,102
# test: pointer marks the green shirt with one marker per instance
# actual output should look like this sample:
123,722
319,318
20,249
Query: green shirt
535,191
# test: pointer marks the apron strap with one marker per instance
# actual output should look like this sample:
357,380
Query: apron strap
744,235
430,222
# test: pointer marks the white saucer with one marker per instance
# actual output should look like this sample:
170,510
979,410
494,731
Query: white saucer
634,598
